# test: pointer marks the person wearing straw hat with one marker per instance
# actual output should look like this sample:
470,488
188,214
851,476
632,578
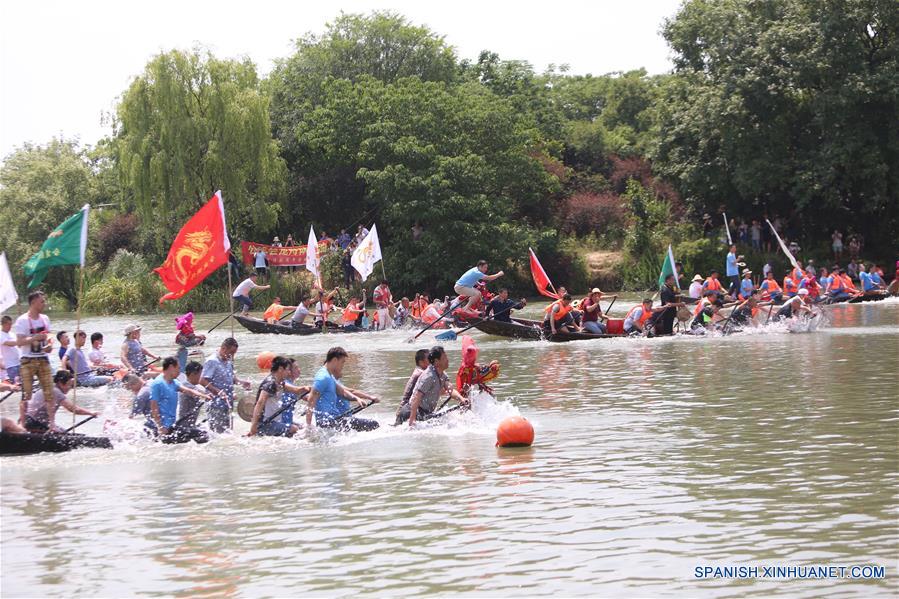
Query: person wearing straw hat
746,285
696,287
593,317
134,355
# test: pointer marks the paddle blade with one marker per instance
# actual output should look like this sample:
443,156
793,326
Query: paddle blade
447,336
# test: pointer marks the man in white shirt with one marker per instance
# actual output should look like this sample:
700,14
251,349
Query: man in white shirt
299,315
33,337
242,292
9,350
260,262
696,287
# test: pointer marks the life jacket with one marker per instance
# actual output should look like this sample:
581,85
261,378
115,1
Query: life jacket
836,284
847,283
713,284
430,314
351,313
274,311
643,317
381,295
562,313
812,286
416,308
770,286
790,286
700,306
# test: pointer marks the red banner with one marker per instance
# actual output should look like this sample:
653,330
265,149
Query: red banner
201,246
541,279
294,255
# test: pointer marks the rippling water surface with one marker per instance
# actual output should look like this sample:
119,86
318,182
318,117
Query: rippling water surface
651,457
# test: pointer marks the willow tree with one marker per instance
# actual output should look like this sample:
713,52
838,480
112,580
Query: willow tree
192,124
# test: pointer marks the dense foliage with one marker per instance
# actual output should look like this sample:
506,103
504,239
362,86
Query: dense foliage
787,107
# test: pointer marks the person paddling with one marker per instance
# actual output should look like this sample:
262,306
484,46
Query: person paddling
500,307
242,292
164,407
275,311
466,283
421,364
431,385
268,402
40,419
329,399
134,355
794,306
76,361
219,379
558,318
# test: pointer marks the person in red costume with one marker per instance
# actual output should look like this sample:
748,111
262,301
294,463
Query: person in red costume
471,373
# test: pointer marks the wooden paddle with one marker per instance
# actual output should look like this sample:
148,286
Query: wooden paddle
7,395
442,316
222,321
71,428
284,408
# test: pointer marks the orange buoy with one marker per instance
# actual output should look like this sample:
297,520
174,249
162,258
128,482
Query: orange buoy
514,431
264,360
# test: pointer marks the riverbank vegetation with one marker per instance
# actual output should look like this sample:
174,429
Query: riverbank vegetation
783,110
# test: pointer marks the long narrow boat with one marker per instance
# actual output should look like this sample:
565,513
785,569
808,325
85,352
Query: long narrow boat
521,328
257,325
29,443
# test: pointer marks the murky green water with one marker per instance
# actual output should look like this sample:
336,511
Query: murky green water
652,457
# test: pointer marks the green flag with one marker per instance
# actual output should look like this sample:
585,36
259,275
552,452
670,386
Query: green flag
65,245
668,269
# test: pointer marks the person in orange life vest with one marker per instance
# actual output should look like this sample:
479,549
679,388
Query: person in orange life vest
471,373
713,284
353,312
576,313
770,289
383,304
558,318
275,311
791,286
417,307
635,322
837,289
848,284
745,312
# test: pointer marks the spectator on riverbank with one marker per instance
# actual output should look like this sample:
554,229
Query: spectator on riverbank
755,235
837,246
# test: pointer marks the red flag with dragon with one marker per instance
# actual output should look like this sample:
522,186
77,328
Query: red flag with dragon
201,246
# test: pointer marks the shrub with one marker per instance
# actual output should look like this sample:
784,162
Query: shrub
601,213
117,234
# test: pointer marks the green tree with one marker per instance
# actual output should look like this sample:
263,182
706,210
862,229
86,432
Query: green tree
789,105
40,187
192,124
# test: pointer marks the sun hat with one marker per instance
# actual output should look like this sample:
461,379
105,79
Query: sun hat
595,290
698,278
803,291
131,328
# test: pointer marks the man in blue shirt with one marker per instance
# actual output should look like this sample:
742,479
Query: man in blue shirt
219,379
732,271
164,407
465,284
328,398
746,286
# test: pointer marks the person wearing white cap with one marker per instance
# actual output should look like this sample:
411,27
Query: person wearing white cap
134,355
794,306
746,285
696,287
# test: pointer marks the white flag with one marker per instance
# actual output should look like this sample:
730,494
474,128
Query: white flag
367,254
8,295
783,246
312,255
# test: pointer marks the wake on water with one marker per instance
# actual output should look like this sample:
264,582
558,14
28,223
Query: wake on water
131,444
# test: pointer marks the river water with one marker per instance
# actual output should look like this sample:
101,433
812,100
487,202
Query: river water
651,458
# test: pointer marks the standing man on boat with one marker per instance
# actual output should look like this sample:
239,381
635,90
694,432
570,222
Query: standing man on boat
242,292
9,349
466,283
667,312
32,331
430,386
329,400
383,300
219,379
732,271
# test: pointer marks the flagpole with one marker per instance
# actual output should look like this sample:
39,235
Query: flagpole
231,296
77,328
